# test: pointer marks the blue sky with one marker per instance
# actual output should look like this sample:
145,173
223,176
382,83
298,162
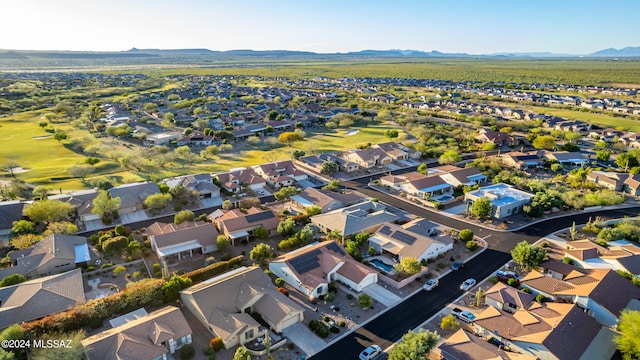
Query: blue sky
480,26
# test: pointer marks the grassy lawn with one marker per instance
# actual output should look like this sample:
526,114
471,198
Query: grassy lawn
321,141
592,118
34,149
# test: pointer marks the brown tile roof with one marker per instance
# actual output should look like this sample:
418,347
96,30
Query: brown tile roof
572,335
464,346
236,220
141,338
507,294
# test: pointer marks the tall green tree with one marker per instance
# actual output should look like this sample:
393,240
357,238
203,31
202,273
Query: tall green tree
261,252
547,142
156,202
104,204
329,168
481,207
414,345
528,256
628,341
46,211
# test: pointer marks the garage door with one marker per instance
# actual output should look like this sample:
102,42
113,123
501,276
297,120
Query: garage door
289,321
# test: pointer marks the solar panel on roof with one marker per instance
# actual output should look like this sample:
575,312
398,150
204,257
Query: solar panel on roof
336,248
404,237
305,262
259,216
385,230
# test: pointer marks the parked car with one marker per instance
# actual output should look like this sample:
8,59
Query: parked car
463,315
429,285
468,284
370,352
504,276
457,265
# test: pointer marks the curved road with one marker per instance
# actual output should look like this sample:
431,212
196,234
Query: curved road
389,327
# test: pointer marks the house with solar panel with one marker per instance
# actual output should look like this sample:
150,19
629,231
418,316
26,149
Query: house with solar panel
310,269
239,226
365,217
416,239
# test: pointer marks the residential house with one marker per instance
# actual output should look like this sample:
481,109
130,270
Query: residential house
280,173
10,211
132,196
521,161
238,225
542,331
588,255
235,180
310,269
398,151
161,139
37,298
424,186
565,158
175,242
82,202
225,305
631,185
415,239
363,217
507,298
589,289
200,183
316,161
496,137
368,158
326,200
195,139
151,336
607,180
462,345
54,254
505,200
459,177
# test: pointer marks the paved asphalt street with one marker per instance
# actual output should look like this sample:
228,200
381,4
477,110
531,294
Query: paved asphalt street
413,311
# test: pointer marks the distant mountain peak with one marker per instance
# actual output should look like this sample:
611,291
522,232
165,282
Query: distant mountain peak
629,51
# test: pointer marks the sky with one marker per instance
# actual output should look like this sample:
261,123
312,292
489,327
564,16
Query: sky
452,26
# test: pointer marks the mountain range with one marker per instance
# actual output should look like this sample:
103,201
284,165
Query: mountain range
206,55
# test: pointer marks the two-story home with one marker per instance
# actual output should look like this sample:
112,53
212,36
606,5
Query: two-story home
225,304
310,269
151,336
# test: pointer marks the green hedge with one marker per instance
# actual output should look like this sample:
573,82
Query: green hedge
212,270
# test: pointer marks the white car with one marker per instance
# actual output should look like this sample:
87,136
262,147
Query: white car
370,352
468,284
429,285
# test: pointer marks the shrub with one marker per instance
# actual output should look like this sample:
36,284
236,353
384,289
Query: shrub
267,271
526,289
187,352
438,205
216,344
493,280
541,298
95,322
466,235
218,268
512,282
342,323
283,291
334,329
330,296
119,269
333,287
567,260
225,257
319,328
156,268
365,301
208,351
472,245
105,266
350,297
279,282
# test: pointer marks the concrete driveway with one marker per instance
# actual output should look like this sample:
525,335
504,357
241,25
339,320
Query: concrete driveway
304,338
382,295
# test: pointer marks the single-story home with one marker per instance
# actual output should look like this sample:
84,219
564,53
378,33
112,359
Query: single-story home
505,200
175,242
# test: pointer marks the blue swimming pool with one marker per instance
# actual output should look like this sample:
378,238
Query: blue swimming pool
381,265
444,198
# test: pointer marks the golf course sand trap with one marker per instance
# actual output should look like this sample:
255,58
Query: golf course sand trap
351,132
